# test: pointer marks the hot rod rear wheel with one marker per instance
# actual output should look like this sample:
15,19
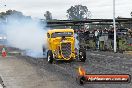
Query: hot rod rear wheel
50,57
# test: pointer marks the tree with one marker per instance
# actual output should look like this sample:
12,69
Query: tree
48,15
12,13
78,12
131,14
4,16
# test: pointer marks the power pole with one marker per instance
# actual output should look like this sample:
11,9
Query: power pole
114,25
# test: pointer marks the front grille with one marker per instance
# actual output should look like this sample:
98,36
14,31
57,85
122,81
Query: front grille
66,49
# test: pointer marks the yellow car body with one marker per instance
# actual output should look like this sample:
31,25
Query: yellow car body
61,43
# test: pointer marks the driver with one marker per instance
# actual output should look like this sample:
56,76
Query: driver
63,38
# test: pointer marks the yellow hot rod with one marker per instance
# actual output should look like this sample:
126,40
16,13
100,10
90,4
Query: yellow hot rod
61,45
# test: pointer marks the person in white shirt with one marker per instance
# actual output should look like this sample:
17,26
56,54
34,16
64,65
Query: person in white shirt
96,34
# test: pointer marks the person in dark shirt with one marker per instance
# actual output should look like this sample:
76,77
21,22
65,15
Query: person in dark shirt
111,37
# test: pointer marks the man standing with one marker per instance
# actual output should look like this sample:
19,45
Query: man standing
96,34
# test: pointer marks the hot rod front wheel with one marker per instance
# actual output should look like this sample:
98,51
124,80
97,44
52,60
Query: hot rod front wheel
81,80
50,57
82,56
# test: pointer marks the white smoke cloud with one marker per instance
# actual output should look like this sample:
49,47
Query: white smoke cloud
26,34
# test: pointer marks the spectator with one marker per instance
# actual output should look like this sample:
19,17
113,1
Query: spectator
111,37
96,34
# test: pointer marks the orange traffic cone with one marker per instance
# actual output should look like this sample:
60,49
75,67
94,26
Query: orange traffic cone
4,54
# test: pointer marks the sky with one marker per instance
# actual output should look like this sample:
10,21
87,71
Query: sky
99,8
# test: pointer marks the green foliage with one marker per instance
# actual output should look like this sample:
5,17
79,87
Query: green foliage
78,12
12,13
48,15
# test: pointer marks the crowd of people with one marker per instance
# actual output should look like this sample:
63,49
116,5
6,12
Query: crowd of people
105,37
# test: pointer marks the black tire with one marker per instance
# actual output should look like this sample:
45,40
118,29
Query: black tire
50,57
81,80
82,56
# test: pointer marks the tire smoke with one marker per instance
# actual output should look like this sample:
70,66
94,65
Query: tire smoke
26,34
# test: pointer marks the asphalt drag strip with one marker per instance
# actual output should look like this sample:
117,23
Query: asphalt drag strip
26,72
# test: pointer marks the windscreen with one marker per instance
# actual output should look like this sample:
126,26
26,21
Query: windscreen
60,34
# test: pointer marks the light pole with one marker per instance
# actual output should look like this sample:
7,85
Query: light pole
114,25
